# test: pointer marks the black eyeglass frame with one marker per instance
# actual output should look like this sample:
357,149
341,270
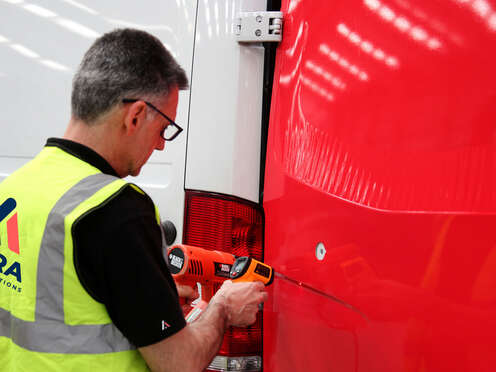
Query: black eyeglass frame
171,122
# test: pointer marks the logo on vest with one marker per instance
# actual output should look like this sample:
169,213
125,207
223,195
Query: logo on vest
10,269
165,325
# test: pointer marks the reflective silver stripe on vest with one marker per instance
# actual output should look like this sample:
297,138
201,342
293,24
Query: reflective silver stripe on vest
48,333
60,338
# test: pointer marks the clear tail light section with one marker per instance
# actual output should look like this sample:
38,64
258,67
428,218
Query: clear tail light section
229,224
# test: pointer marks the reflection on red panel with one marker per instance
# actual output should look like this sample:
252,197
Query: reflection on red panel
382,146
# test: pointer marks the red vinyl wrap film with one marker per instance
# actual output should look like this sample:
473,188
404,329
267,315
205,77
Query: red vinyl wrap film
381,150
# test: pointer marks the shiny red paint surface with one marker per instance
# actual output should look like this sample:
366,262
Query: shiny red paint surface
382,146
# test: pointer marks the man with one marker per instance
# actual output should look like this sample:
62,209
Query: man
96,293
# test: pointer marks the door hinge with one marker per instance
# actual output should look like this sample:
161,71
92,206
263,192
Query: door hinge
257,27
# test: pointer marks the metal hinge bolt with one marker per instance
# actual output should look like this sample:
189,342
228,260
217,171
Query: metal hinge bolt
256,27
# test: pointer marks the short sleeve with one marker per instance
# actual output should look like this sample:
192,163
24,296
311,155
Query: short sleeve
119,260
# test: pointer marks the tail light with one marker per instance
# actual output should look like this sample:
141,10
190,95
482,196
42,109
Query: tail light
233,225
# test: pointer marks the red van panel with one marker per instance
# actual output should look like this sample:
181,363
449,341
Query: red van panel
380,187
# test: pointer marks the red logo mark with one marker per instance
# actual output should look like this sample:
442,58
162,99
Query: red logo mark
12,227
13,233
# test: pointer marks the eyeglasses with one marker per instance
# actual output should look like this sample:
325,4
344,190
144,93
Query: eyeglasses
171,131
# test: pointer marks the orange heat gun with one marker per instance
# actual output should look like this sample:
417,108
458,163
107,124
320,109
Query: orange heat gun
190,265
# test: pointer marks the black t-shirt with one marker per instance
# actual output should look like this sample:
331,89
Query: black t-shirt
118,259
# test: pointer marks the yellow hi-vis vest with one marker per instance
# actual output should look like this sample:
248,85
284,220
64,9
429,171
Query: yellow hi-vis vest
48,322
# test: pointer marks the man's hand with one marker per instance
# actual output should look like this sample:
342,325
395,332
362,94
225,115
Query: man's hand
240,301
187,292
187,295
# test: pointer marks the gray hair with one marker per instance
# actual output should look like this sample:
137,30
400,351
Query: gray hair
124,63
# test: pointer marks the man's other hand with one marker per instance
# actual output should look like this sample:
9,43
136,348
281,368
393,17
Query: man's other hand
240,301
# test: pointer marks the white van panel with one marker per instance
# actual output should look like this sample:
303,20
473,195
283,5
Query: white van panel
41,45
226,104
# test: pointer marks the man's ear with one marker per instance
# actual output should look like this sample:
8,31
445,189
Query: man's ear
134,117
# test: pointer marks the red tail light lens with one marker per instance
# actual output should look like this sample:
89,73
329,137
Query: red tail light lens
229,224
